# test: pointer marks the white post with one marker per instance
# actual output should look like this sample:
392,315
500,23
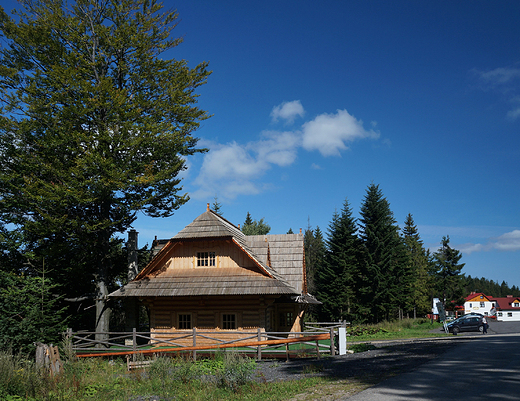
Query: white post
342,340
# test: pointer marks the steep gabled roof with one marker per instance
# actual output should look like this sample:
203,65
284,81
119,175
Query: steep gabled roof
278,260
477,297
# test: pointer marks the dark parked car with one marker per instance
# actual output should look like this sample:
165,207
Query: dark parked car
471,322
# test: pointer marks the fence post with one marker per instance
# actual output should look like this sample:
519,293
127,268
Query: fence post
332,347
259,347
194,344
134,341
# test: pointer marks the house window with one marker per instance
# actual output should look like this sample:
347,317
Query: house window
516,304
499,314
286,319
509,314
205,258
482,304
184,321
229,321
470,305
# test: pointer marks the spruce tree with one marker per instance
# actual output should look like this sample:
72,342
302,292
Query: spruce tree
418,260
448,273
315,251
338,277
255,227
386,274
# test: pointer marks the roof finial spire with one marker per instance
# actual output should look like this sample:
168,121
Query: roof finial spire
207,207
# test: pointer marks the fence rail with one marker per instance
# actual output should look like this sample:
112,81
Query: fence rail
132,343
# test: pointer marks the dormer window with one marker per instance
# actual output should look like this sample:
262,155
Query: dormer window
205,259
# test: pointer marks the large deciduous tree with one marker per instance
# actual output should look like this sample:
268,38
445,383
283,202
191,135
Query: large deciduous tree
96,120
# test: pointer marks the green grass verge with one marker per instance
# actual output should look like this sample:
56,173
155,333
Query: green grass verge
226,376
404,329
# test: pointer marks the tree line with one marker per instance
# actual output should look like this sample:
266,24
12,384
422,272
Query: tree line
370,270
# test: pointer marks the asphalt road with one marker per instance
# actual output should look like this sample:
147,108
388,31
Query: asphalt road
485,368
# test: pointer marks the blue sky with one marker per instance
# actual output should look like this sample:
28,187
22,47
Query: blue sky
313,103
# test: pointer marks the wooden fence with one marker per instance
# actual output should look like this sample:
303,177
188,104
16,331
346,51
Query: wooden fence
260,342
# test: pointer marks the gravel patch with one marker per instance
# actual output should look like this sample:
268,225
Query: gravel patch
388,359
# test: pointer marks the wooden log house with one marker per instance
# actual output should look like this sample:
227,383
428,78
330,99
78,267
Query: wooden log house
212,277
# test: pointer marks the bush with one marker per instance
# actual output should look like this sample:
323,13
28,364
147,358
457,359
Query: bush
237,371
20,377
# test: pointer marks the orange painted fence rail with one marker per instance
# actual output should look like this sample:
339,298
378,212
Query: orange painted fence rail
126,343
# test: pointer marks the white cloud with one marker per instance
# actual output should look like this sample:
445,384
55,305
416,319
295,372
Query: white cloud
234,169
504,80
498,76
287,111
508,241
279,148
330,133
470,248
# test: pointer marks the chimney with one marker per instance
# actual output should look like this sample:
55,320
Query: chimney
132,254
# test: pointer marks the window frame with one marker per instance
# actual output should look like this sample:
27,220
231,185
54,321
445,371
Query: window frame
229,319
206,259
181,322
286,318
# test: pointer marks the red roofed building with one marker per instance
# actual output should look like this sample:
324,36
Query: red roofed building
505,309
477,302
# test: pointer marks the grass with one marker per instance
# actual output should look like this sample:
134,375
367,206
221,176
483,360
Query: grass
404,329
224,375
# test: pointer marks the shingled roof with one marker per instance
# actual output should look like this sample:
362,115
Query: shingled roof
279,261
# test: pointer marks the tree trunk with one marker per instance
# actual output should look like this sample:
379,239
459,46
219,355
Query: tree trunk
102,311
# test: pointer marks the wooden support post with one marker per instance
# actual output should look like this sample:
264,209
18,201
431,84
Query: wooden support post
259,347
287,351
134,343
332,347
317,349
194,344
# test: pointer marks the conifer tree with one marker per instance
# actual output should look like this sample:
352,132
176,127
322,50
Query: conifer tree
448,273
418,259
96,122
217,206
386,275
338,277
315,251
255,227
